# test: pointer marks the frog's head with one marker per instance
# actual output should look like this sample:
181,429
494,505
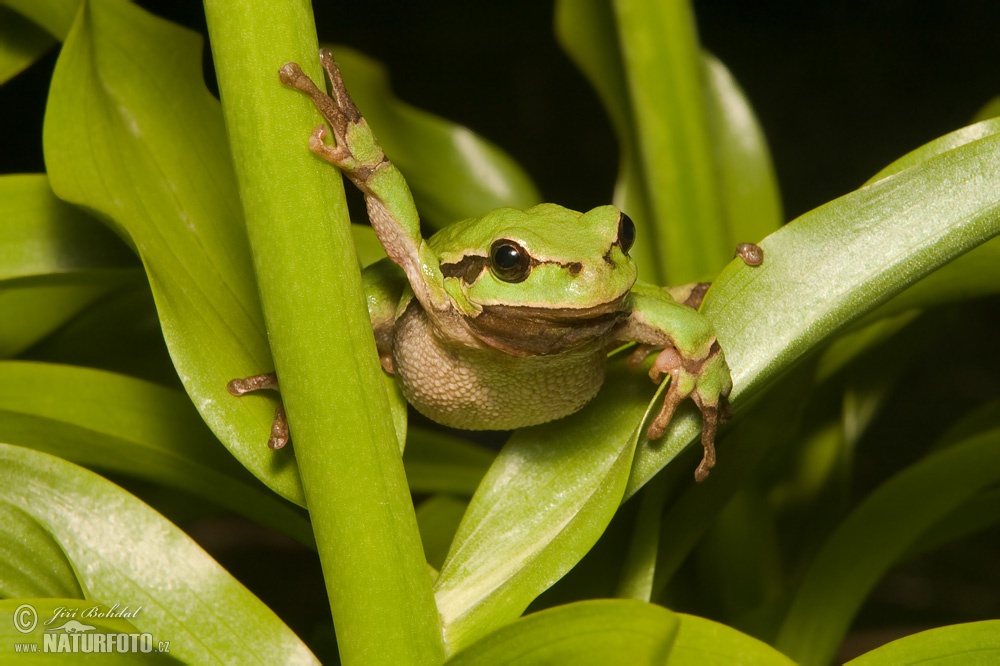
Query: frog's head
546,279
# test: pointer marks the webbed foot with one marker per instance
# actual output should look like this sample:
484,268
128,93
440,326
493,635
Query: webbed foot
707,382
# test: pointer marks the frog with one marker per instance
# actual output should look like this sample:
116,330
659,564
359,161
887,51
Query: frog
506,320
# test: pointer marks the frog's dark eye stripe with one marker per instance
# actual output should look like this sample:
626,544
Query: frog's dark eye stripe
626,232
468,269
509,261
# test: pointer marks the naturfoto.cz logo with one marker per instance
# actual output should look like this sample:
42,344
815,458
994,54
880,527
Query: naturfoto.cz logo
69,631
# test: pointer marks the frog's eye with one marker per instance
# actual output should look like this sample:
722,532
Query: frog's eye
509,261
626,232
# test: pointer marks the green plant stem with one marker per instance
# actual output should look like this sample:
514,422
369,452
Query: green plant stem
324,352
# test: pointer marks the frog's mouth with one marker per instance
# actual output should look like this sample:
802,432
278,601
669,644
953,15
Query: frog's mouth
524,330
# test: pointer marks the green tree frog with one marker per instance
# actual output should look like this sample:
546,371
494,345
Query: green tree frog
505,320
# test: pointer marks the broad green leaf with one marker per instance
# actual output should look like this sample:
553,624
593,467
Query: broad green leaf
702,642
44,237
38,621
453,173
21,43
132,134
875,536
40,309
605,631
971,643
975,274
124,425
440,463
120,333
841,260
54,262
438,518
544,502
125,553
31,562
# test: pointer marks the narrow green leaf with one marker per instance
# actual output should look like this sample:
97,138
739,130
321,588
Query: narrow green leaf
439,463
971,643
772,424
747,183
743,174
586,31
153,160
639,569
605,631
21,43
55,16
438,518
120,424
31,562
318,326
664,71
544,502
123,552
875,536
702,642
453,173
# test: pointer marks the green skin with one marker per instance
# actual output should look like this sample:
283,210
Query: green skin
505,320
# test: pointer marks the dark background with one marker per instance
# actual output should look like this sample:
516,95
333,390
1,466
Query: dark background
840,88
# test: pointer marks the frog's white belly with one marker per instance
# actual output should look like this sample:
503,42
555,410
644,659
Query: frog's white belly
487,389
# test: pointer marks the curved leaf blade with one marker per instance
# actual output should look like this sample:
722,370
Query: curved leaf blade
42,236
598,632
31,562
154,161
702,642
21,43
974,642
544,502
842,259
186,597
748,185
125,425
875,536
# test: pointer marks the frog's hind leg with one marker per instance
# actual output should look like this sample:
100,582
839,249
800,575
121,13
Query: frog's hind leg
267,381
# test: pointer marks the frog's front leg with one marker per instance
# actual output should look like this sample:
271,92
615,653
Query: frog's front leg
391,209
689,353
265,382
